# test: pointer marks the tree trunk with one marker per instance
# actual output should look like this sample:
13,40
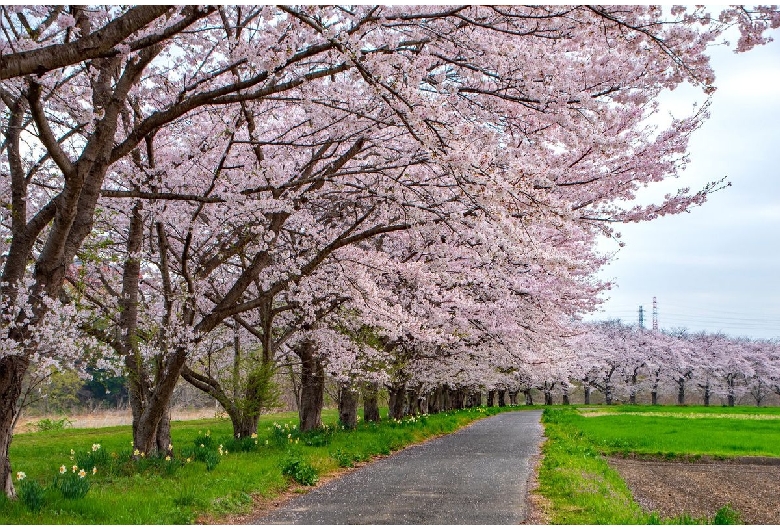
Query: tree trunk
586,388
513,397
244,425
397,401
150,406
312,387
608,394
654,397
348,405
707,395
476,399
529,399
413,402
371,402
458,398
435,404
548,399
12,371
565,398
502,398
491,398
731,394
681,391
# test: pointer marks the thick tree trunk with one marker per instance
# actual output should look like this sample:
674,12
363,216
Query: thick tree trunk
565,399
529,399
390,402
707,395
681,391
654,397
12,371
458,398
491,398
446,399
397,401
435,404
312,387
513,397
151,431
502,398
548,399
586,388
348,405
413,403
164,433
244,425
371,402
731,393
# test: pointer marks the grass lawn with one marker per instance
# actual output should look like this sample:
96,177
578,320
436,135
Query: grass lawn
155,491
583,489
669,431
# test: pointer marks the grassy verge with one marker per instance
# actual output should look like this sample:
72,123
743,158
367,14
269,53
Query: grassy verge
580,486
210,474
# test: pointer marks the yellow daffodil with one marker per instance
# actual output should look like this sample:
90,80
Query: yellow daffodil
82,474
94,471
62,470
21,475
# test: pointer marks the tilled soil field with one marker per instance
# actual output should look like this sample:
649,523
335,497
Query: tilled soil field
750,485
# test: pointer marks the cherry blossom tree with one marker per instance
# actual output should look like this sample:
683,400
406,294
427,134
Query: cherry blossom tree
530,118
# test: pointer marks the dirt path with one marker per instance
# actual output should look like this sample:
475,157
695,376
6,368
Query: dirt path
700,489
478,475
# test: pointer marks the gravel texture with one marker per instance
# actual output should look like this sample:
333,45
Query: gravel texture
478,475
750,485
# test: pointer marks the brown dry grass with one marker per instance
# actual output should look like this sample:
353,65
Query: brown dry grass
107,418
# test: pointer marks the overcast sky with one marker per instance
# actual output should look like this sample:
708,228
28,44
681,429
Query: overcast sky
716,268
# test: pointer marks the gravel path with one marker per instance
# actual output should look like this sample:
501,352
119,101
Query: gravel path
478,475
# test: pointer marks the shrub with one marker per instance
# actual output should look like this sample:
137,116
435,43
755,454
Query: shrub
212,460
52,425
345,458
301,471
97,457
727,515
31,494
241,445
73,485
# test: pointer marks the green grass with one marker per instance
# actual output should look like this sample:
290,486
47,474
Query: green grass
685,431
581,487
155,492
